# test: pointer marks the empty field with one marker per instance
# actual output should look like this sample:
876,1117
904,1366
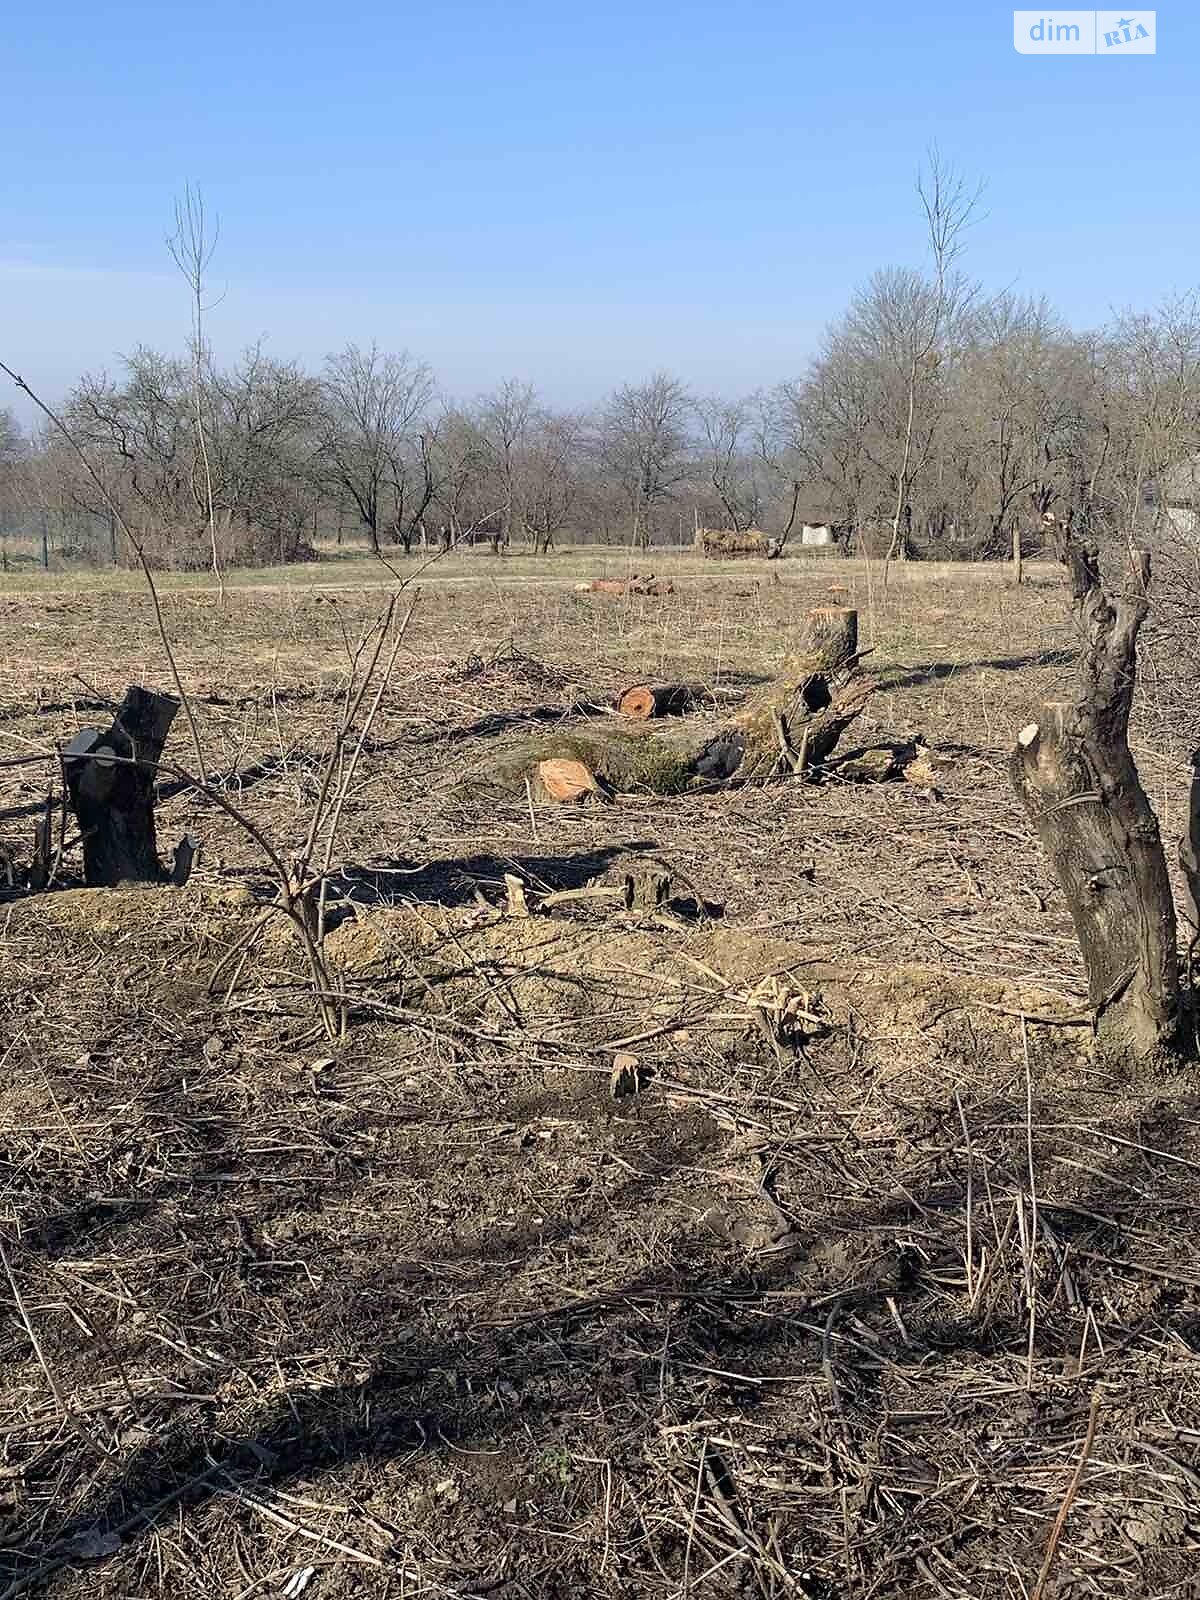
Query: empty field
428,1309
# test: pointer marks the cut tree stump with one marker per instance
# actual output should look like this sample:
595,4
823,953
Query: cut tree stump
646,890
110,783
1073,771
791,726
564,780
643,701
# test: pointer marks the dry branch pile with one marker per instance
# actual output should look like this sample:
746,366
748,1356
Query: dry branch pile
869,1283
406,1311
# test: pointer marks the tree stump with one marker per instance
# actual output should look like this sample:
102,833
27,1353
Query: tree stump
564,780
1073,772
110,783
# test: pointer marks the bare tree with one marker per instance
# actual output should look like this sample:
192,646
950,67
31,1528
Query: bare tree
949,207
192,246
265,418
12,440
375,405
644,443
462,461
1151,363
13,450
806,441
551,475
504,419
1019,417
733,457
411,474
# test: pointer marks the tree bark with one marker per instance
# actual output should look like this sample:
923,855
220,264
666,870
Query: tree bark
1075,775
110,782
1189,860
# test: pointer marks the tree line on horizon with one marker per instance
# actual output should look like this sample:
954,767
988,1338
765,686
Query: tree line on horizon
931,421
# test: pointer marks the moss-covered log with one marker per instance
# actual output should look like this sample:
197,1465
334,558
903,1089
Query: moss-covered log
792,726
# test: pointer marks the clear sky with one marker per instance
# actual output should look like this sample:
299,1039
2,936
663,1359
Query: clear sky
573,194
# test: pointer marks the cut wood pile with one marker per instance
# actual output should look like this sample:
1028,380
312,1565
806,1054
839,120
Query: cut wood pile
719,543
634,584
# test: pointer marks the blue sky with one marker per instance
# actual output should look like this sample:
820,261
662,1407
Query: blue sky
573,195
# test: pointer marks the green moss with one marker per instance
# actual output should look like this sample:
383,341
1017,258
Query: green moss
625,760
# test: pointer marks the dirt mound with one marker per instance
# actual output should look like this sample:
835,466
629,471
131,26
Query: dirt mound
604,982
583,980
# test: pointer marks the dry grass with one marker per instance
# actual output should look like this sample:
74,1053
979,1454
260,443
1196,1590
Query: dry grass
824,1310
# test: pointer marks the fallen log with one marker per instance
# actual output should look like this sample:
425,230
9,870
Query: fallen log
792,726
645,700
110,784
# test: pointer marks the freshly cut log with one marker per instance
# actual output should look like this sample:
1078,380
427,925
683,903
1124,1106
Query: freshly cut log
110,784
793,726
646,700
1073,771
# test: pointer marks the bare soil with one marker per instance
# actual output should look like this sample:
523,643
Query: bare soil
834,1304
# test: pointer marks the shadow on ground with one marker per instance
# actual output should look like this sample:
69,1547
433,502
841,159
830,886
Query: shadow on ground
913,677
482,1305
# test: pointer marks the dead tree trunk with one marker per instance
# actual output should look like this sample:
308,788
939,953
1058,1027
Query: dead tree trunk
110,782
1074,773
